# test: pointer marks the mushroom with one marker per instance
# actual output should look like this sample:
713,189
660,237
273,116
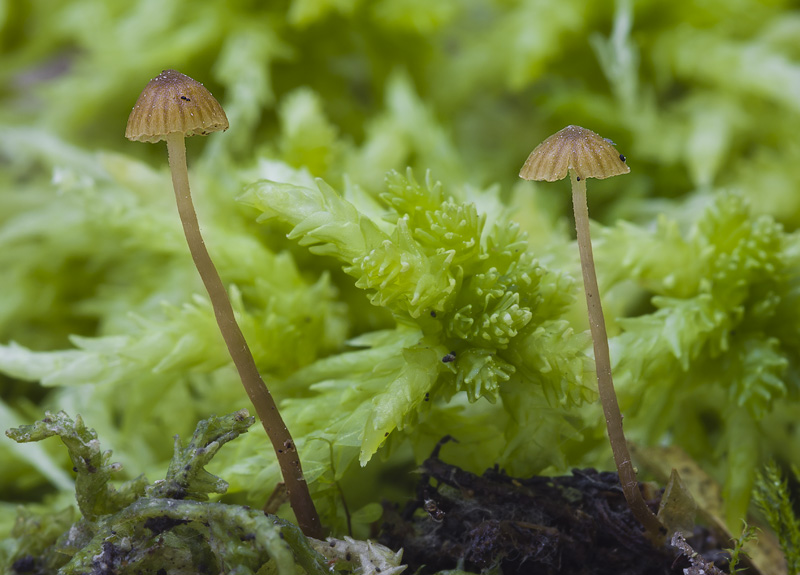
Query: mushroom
171,107
583,154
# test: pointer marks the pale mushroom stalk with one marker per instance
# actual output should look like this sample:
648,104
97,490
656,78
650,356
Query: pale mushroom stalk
583,154
171,107
240,352
602,360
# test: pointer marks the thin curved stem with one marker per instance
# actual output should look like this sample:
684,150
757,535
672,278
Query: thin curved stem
278,433
605,385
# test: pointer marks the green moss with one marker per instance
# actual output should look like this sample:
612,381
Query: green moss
99,309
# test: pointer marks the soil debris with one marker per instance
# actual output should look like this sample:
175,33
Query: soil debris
578,524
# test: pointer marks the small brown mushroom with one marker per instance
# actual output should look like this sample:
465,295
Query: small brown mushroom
574,148
172,107
583,154
174,104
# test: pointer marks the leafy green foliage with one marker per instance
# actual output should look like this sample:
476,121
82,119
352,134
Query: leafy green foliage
717,343
98,313
465,88
476,318
773,499
749,533
34,534
141,527
186,476
94,258
95,495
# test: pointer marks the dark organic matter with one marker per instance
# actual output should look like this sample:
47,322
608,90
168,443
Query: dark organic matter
578,524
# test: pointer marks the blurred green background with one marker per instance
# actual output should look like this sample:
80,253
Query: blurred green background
698,94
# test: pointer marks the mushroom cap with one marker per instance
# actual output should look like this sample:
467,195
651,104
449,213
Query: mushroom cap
173,102
574,148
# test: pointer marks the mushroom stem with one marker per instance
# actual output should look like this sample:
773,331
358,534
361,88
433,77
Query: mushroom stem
262,400
605,385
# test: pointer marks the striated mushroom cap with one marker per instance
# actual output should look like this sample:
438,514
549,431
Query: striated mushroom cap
576,148
173,102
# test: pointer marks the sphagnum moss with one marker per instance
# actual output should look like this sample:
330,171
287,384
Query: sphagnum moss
583,154
171,107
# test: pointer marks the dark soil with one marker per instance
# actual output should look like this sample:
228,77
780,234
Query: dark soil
578,524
